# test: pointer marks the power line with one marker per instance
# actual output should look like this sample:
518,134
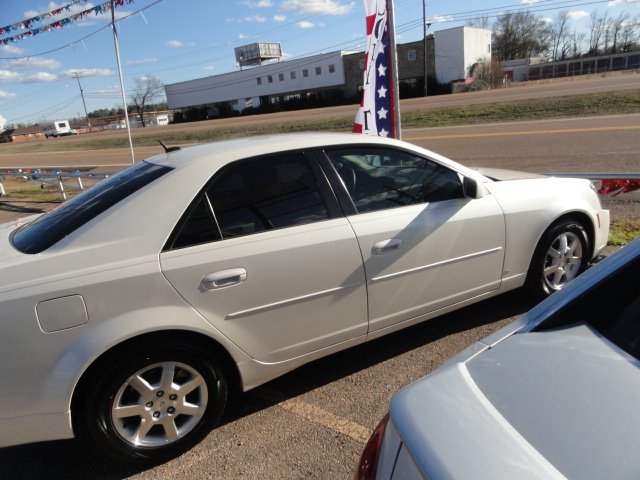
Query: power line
463,16
50,111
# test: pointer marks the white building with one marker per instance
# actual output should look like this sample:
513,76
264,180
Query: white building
244,88
339,73
458,49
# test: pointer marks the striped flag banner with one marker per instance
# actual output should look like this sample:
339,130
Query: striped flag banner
379,112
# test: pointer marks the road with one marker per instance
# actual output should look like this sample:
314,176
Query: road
552,88
592,144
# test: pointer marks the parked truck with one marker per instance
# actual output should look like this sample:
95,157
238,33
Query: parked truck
59,128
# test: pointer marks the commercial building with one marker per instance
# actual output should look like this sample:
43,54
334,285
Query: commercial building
536,69
458,50
329,78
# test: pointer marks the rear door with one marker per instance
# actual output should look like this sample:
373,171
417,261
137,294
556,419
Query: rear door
425,245
267,257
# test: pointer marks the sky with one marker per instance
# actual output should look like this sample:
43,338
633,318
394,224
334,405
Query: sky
178,40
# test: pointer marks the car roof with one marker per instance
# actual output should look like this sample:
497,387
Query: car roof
228,150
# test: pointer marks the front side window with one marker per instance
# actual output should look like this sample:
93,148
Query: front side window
50,228
378,179
253,196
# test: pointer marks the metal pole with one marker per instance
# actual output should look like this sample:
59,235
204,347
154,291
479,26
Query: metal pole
393,60
124,98
424,35
83,104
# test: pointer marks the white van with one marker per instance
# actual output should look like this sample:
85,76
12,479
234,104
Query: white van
58,129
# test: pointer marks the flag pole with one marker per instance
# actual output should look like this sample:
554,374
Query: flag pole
394,66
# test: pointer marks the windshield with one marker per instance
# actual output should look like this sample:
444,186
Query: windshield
612,307
48,229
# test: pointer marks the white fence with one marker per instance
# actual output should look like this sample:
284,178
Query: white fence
59,178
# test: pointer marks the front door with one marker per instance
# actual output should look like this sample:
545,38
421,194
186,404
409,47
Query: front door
425,245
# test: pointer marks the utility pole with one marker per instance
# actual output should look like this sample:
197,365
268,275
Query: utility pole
424,35
83,104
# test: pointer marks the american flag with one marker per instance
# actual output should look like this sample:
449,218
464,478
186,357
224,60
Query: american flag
377,112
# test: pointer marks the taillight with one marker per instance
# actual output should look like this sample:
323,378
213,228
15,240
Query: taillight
368,465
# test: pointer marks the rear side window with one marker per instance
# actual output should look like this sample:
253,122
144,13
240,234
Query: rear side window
253,196
266,194
50,228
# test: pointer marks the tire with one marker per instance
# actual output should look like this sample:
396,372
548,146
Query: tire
154,404
561,255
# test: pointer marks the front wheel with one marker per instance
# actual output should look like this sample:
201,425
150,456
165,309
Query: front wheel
153,405
561,255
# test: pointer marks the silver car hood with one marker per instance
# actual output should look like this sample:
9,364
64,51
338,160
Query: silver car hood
549,404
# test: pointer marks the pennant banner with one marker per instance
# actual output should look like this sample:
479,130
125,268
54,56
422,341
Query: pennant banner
27,24
378,113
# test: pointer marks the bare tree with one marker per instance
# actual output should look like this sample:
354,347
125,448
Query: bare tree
630,35
479,22
145,91
575,43
560,37
598,31
520,35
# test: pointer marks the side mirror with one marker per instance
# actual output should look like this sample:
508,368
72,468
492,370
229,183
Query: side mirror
470,188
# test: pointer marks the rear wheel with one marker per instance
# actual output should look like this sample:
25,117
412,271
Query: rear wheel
154,404
561,255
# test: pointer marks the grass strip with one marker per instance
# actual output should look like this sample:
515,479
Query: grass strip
623,231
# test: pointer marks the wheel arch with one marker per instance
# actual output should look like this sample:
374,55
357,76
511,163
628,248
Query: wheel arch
533,281
583,219
210,346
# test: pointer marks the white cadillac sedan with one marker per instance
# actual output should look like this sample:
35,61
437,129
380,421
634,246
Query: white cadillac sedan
128,312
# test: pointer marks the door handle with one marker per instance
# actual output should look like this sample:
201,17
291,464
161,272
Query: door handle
224,278
386,246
